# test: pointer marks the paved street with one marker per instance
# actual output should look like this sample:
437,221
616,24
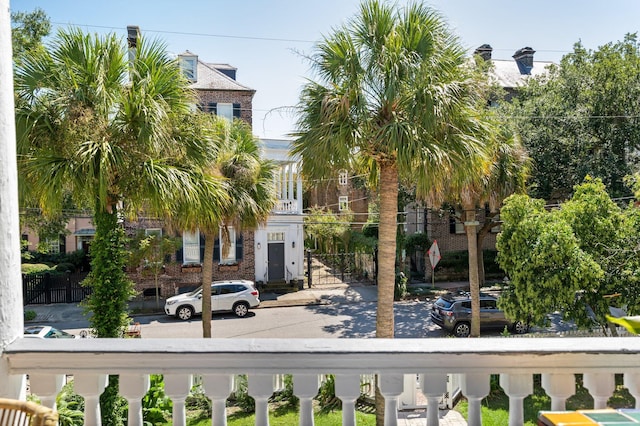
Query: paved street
321,312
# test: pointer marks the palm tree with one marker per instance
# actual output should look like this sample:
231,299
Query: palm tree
393,90
108,131
488,179
250,196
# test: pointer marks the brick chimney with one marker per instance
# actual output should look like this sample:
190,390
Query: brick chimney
524,59
484,51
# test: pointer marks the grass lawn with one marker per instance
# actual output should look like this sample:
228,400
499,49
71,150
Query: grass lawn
495,408
286,416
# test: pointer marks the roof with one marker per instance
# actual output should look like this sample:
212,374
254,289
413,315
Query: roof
278,149
508,75
209,78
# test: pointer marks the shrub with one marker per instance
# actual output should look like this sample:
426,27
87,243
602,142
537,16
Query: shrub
241,396
29,315
70,407
156,406
65,267
400,288
327,394
34,268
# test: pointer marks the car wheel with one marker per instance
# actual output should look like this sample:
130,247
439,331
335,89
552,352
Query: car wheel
462,329
241,309
184,312
519,327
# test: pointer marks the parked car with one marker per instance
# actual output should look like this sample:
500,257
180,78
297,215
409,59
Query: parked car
236,296
46,332
453,313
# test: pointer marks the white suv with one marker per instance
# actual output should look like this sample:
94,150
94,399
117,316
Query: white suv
236,296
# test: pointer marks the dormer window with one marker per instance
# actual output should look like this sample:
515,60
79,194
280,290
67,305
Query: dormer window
189,66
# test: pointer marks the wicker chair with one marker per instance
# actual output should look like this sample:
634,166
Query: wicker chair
23,413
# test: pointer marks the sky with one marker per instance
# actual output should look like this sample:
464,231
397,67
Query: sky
267,40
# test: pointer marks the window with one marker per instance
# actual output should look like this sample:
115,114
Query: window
343,177
53,245
275,236
191,247
343,203
455,226
225,110
188,65
157,232
228,256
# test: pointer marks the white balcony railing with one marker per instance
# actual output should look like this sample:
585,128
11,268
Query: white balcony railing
218,360
286,207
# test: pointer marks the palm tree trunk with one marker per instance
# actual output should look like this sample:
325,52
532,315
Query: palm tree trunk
387,260
387,249
470,225
207,279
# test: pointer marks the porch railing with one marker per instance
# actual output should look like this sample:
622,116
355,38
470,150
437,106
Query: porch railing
218,360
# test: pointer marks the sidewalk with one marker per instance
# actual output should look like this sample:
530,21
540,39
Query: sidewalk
337,293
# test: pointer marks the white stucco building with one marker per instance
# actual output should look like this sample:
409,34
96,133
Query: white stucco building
279,244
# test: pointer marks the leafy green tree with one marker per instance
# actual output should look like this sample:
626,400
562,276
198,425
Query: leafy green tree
325,230
27,31
150,252
575,259
581,120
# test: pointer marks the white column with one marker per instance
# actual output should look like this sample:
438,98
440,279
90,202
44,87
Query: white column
632,383
601,387
517,387
134,387
11,316
559,387
305,387
261,389
46,387
475,387
348,390
391,386
218,387
299,192
177,387
290,181
433,387
90,386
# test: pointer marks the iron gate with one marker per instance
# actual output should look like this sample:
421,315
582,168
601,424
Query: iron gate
47,288
346,268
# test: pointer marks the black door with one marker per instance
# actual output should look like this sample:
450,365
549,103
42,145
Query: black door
276,261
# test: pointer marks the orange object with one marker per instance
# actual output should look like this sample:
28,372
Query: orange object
563,418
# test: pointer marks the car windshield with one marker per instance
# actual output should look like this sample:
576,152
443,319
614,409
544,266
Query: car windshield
443,303
195,292
54,333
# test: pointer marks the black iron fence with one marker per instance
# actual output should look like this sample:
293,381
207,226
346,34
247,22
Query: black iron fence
340,268
47,288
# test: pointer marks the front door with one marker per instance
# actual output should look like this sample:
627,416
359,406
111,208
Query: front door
276,261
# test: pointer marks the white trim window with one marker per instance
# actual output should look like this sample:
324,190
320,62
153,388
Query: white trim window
189,67
191,248
53,245
153,231
231,254
343,203
343,178
225,110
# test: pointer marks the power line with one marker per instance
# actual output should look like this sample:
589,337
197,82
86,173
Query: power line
240,37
